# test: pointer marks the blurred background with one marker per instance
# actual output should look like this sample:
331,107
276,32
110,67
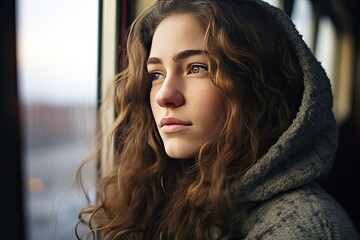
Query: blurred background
56,59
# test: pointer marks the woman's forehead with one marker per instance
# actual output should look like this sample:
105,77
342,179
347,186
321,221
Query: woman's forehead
177,33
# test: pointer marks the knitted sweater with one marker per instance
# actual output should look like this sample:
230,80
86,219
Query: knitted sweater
276,195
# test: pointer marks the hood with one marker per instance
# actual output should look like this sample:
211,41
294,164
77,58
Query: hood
305,150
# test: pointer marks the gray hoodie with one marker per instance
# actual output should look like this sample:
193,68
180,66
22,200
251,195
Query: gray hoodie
278,192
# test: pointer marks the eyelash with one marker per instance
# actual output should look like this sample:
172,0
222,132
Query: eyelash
156,75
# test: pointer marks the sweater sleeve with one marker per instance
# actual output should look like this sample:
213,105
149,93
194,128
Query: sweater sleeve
304,213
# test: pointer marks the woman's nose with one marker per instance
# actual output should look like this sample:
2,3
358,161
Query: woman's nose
170,95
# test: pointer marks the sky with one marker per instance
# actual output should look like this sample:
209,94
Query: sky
57,50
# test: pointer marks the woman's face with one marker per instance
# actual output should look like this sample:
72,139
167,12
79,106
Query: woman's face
184,101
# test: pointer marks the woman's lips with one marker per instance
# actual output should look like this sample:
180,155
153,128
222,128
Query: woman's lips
172,125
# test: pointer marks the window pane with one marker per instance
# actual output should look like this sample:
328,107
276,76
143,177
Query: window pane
325,49
57,69
302,16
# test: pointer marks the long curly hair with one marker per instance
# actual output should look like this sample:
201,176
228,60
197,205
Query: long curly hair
148,195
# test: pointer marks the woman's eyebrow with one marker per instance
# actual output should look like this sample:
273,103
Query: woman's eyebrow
188,53
179,56
153,60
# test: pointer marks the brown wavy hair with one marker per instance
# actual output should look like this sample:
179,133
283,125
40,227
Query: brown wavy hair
148,195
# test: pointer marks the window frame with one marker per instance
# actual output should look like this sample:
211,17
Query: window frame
114,22
11,201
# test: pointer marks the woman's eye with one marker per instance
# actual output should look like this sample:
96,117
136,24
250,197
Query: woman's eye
155,76
198,69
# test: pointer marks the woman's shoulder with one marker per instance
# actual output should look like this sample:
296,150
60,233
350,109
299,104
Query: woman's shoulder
307,212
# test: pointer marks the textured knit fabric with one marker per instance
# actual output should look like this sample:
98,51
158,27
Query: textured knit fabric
280,199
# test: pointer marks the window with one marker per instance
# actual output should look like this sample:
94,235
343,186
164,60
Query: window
325,48
303,18
57,73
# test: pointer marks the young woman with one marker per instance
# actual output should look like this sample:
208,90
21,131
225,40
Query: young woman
224,121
